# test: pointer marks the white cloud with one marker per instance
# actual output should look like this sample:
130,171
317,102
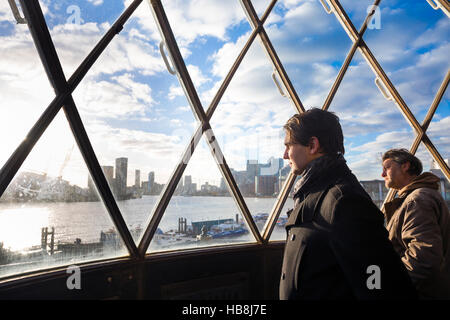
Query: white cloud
139,91
433,35
107,99
175,91
308,42
74,42
96,2
189,21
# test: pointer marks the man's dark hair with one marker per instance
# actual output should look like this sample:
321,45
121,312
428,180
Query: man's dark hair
317,123
402,156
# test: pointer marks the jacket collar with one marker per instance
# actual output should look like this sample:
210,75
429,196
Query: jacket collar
425,180
319,174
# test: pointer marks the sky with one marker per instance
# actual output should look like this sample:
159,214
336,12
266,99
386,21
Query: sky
131,106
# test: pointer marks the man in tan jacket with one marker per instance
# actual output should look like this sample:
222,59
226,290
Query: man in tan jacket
418,221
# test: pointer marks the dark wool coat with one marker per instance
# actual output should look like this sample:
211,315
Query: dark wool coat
337,246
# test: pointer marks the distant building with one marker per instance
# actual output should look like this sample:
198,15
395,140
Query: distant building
444,185
121,177
151,181
272,167
108,171
265,185
376,190
137,179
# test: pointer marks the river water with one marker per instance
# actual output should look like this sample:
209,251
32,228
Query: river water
20,224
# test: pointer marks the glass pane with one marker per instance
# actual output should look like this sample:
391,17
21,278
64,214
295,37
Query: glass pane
50,215
429,164
260,6
371,124
312,46
202,211
24,87
76,27
137,125
203,28
438,130
411,44
279,231
248,125
357,11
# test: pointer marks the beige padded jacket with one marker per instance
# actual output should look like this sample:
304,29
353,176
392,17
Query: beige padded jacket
418,222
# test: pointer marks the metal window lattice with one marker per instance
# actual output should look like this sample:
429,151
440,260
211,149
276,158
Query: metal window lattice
331,6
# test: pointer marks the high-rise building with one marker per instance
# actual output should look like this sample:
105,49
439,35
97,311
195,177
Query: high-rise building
108,171
137,179
121,177
265,185
252,168
187,180
273,167
151,180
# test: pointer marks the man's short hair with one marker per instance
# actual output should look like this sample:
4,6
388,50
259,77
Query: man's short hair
317,123
402,156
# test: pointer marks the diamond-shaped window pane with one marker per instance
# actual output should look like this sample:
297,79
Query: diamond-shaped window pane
248,125
201,29
66,222
312,47
137,124
202,211
77,26
371,124
24,88
410,42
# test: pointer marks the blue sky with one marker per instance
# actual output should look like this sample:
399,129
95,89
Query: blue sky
131,106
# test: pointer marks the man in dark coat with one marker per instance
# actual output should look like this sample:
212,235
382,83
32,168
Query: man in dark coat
337,246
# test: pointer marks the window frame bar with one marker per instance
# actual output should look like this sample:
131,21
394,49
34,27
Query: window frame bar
373,63
50,60
196,105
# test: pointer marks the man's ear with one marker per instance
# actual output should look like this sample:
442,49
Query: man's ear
405,166
314,145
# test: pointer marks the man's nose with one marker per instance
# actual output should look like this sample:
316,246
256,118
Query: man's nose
285,155
383,173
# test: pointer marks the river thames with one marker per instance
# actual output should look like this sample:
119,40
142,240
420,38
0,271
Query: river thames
21,223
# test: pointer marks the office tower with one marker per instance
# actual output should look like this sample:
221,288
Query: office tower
252,168
137,179
108,171
273,167
151,180
187,180
121,177
265,185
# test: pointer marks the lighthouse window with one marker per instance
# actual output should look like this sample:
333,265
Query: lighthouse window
135,128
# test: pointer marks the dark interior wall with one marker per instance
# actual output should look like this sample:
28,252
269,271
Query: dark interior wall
225,273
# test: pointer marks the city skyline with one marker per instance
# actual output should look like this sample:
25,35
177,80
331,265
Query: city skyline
259,179
130,105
